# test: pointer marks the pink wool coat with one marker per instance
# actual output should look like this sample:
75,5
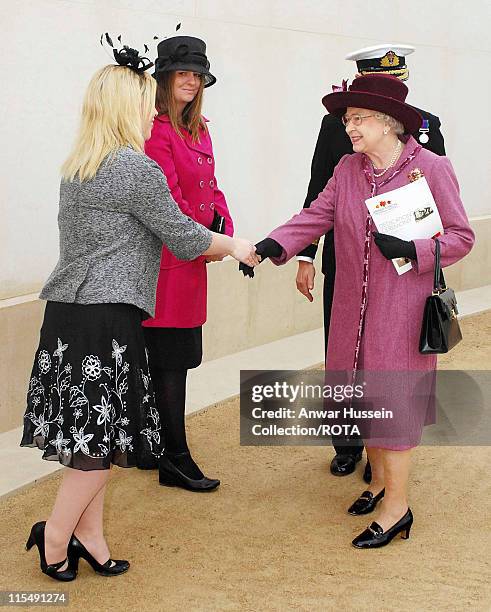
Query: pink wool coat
397,375
190,171
395,303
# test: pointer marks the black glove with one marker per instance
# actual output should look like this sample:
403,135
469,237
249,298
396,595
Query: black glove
266,248
393,248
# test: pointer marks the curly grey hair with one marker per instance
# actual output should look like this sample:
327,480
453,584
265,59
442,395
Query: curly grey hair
394,124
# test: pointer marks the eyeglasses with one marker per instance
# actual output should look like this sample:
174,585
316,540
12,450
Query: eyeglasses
355,119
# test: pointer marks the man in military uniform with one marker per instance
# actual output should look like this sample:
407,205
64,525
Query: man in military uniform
332,144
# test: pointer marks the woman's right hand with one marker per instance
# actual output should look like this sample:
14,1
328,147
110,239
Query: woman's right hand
245,252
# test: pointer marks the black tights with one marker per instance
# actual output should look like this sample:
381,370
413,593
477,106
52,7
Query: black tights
170,395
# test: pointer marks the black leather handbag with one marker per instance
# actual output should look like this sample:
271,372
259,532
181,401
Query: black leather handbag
440,331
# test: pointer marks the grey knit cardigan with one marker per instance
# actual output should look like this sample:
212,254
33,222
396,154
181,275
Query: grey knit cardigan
112,228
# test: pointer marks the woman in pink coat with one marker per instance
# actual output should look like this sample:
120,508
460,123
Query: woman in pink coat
376,317
180,143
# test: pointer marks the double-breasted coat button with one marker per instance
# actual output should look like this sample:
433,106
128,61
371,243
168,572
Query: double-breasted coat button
212,206
212,183
202,207
200,160
202,184
210,160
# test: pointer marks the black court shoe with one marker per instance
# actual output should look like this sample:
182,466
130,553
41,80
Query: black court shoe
366,503
171,476
53,570
112,567
367,473
375,537
343,465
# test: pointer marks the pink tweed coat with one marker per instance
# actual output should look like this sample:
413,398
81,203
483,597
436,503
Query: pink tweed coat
389,347
395,303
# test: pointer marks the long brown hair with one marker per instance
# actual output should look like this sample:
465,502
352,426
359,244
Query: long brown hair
165,103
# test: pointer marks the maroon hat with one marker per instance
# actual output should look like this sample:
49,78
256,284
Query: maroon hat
378,92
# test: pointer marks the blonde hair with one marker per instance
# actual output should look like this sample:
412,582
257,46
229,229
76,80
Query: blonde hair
165,103
117,105
397,126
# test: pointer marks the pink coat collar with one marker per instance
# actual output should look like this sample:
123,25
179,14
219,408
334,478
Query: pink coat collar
204,146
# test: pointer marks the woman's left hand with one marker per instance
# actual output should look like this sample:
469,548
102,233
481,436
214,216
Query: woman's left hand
394,248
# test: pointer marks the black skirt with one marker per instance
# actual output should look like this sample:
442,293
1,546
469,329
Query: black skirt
90,399
174,348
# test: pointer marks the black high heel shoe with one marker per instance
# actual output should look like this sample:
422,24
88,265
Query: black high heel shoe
76,551
366,503
375,537
171,476
37,537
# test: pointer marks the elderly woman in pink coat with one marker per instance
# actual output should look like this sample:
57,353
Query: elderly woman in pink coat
180,143
376,317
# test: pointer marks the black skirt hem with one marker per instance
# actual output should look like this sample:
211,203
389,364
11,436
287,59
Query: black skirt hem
105,464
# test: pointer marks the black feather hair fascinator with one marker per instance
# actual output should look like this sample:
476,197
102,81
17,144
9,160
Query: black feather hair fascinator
127,56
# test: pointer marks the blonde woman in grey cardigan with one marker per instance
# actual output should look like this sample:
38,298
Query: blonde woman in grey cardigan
90,402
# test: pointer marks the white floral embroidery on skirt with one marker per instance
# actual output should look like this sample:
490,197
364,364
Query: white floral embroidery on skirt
99,426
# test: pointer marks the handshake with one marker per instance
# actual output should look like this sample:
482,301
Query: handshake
264,249
390,247
247,254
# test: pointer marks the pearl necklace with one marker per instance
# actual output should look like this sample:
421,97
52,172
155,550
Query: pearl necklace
392,161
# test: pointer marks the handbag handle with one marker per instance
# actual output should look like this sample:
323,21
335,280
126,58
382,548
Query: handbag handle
439,284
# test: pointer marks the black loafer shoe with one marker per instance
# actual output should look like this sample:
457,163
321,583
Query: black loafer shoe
367,474
366,503
343,465
375,537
